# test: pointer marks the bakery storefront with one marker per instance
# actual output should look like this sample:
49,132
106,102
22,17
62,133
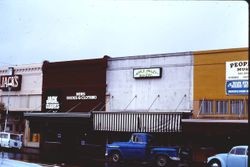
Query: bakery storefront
71,90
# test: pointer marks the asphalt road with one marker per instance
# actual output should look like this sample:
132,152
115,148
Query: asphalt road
54,161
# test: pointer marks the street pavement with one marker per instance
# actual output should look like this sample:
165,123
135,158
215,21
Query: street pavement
30,157
15,163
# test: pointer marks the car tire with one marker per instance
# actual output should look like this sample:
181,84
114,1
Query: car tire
162,161
115,157
214,163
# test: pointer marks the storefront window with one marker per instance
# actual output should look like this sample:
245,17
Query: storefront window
207,107
53,136
221,107
237,107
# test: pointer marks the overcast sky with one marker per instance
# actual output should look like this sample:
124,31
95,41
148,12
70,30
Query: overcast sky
32,31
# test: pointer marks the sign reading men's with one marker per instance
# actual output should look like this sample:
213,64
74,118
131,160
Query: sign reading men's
237,77
14,81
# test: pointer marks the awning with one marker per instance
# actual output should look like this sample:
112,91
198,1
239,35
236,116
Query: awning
214,127
69,119
213,121
58,115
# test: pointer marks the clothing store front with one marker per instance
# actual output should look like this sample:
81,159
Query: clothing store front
71,90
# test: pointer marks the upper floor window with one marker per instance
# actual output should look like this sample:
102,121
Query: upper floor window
207,107
224,107
221,107
237,106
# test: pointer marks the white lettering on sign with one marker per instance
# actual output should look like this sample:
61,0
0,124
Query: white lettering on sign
237,70
52,102
14,81
81,96
238,84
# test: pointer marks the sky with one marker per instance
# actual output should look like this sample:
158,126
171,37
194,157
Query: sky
32,31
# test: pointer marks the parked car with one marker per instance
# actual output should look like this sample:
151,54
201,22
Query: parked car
140,148
236,157
10,140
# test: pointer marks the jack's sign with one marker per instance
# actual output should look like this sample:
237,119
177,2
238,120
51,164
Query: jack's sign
12,81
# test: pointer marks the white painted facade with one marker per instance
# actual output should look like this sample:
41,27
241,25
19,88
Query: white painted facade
172,92
29,97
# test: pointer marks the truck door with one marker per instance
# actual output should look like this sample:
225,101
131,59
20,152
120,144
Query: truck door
137,148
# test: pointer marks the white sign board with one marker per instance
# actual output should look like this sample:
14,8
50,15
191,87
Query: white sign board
237,77
237,70
147,72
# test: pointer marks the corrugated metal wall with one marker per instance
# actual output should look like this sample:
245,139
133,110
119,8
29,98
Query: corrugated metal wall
137,121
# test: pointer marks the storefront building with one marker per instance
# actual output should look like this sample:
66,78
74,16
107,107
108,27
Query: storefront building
20,91
209,86
221,84
155,83
71,90
220,104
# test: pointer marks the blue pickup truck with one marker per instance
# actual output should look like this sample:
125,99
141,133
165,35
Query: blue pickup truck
140,148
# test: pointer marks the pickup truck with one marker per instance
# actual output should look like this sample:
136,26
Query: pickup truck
140,148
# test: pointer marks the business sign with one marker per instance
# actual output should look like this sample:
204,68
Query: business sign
237,77
147,72
12,81
81,96
237,70
52,101
237,87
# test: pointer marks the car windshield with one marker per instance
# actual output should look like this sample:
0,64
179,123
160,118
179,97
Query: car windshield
14,137
3,135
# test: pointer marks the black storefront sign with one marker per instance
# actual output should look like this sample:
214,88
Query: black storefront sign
14,81
52,100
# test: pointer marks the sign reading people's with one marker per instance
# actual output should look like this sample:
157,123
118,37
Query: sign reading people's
12,81
237,77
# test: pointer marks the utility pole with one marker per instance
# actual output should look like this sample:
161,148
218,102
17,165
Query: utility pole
10,73
7,111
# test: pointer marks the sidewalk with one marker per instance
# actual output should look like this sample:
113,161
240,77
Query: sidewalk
15,163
